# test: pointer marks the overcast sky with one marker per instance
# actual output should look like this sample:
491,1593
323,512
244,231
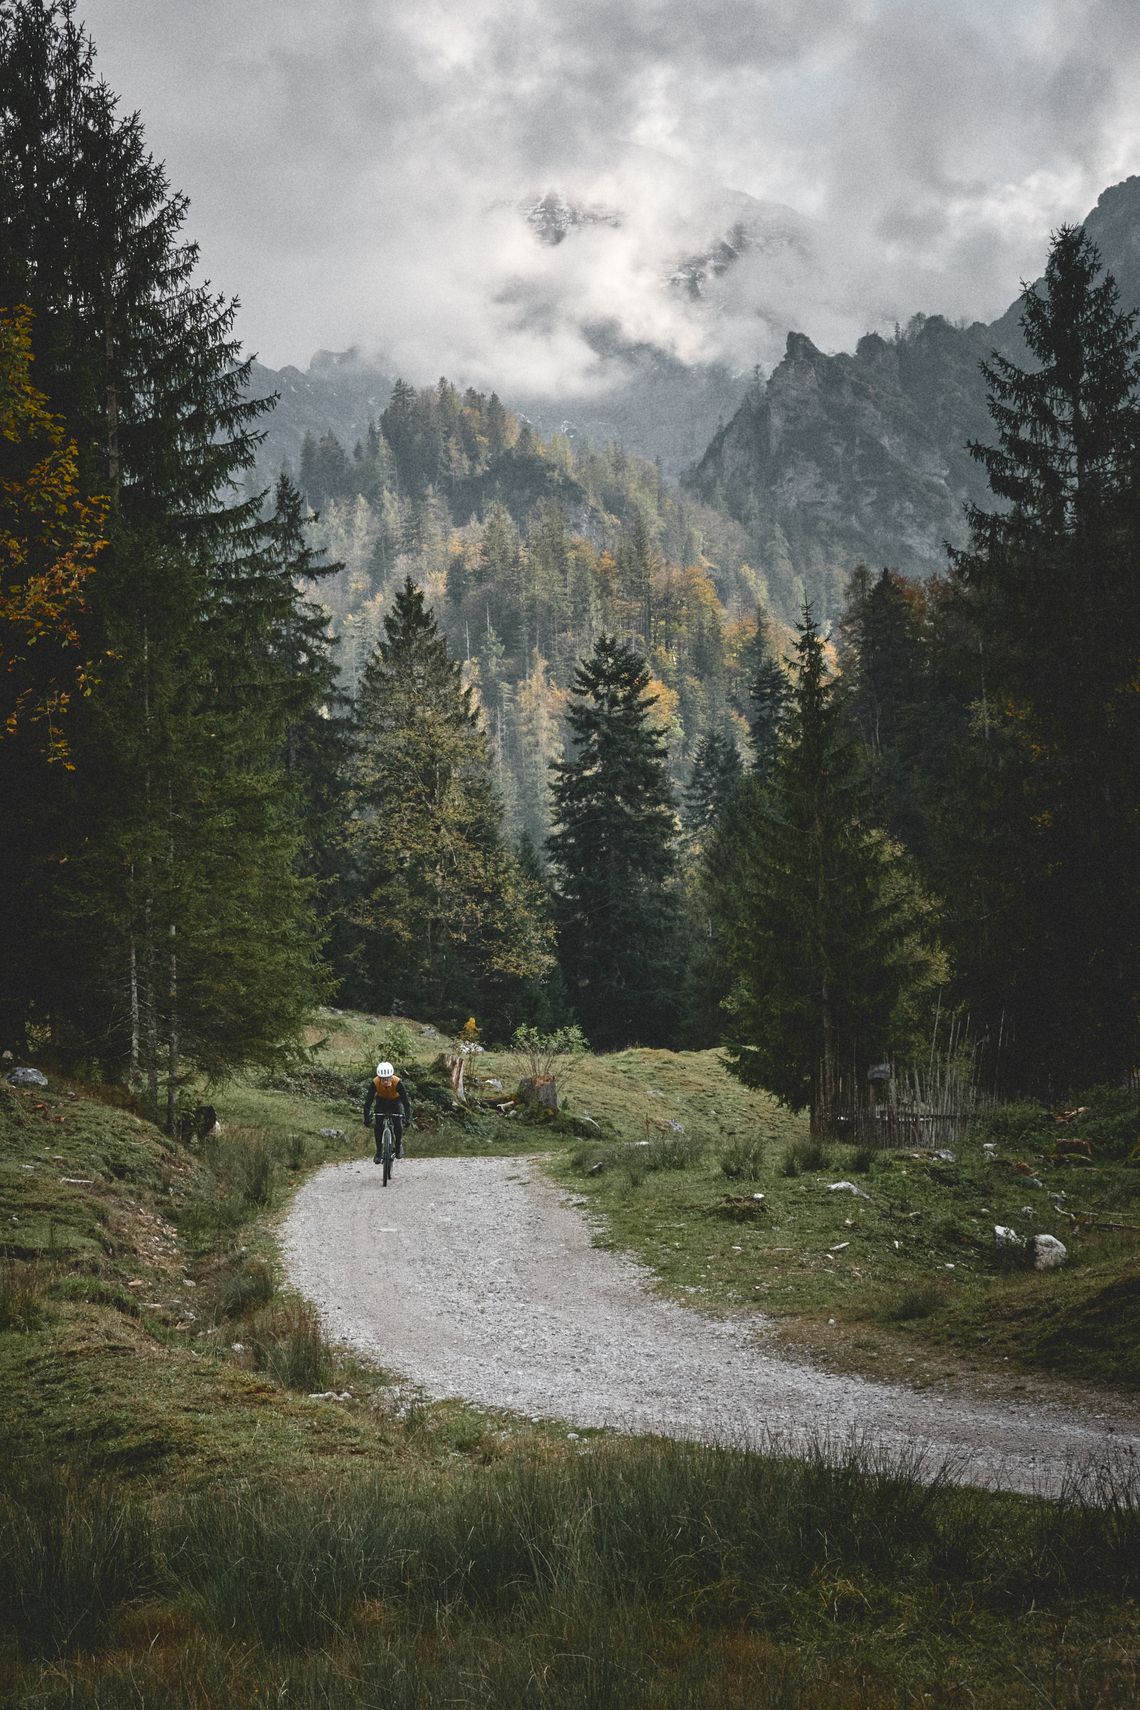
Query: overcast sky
355,166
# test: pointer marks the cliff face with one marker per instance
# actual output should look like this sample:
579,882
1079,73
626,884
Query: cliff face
842,458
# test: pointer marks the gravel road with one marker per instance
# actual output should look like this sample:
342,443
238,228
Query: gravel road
477,1278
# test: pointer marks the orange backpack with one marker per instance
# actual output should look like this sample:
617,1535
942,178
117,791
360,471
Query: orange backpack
388,1088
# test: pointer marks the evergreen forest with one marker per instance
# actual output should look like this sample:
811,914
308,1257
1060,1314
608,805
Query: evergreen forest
464,721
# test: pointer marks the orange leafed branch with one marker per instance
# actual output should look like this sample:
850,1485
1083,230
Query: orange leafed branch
49,539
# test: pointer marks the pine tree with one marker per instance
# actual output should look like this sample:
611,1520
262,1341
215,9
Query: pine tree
909,719
614,854
176,752
637,564
767,692
821,921
717,770
301,672
1049,581
446,918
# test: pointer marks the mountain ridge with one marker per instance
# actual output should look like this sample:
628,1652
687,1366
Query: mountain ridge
863,456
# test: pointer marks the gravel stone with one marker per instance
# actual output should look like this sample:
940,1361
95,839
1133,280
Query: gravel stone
478,1278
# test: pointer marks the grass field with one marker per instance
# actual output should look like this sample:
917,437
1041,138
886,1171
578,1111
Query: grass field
189,1518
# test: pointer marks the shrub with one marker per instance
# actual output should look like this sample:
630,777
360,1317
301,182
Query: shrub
804,1155
258,1173
394,1044
918,1301
742,1160
947,1226
1113,1122
295,1151
1016,1124
239,1285
287,1342
671,1152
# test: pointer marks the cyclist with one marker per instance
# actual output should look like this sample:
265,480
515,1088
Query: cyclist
389,1095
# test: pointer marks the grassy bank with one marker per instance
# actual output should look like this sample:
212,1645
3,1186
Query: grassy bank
204,1504
903,1275
620,1575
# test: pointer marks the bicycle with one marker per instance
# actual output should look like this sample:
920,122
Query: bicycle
387,1148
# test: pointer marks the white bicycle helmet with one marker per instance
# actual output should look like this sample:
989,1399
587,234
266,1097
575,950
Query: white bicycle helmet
384,1071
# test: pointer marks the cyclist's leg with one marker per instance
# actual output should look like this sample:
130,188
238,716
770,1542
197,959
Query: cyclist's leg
379,1127
398,1132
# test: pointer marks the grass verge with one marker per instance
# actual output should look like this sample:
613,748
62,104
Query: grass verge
203,1504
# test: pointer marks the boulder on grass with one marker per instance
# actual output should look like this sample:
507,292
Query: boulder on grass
26,1078
1048,1252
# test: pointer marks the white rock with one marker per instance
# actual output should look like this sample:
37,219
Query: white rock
1006,1237
846,1187
1049,1252
26,1078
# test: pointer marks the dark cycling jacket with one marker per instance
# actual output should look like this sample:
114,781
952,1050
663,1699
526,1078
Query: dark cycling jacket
398,1106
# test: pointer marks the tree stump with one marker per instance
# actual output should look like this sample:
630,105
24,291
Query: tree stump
542,1090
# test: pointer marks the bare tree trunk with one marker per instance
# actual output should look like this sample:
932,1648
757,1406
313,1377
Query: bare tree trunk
150,972
172,1044
826,1075
133,977
114,457
150,1008
172,1041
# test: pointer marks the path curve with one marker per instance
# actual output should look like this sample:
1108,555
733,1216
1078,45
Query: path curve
477,1278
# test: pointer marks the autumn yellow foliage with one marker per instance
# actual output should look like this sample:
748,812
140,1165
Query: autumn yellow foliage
49,539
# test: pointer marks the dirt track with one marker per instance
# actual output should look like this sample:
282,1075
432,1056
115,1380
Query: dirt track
477,1278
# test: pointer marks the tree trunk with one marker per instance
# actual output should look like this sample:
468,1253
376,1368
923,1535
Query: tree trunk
133,977
824,1086
150,1009
541,1090
172,1045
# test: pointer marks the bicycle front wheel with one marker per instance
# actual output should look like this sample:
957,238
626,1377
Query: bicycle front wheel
386,1150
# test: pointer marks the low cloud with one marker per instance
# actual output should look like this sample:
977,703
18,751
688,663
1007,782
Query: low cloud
358,170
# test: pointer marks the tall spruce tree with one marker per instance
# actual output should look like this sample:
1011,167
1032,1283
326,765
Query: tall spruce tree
909,712
821,920
767,695
614,855
710,803
1050,583
447,919
716,772
165,852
